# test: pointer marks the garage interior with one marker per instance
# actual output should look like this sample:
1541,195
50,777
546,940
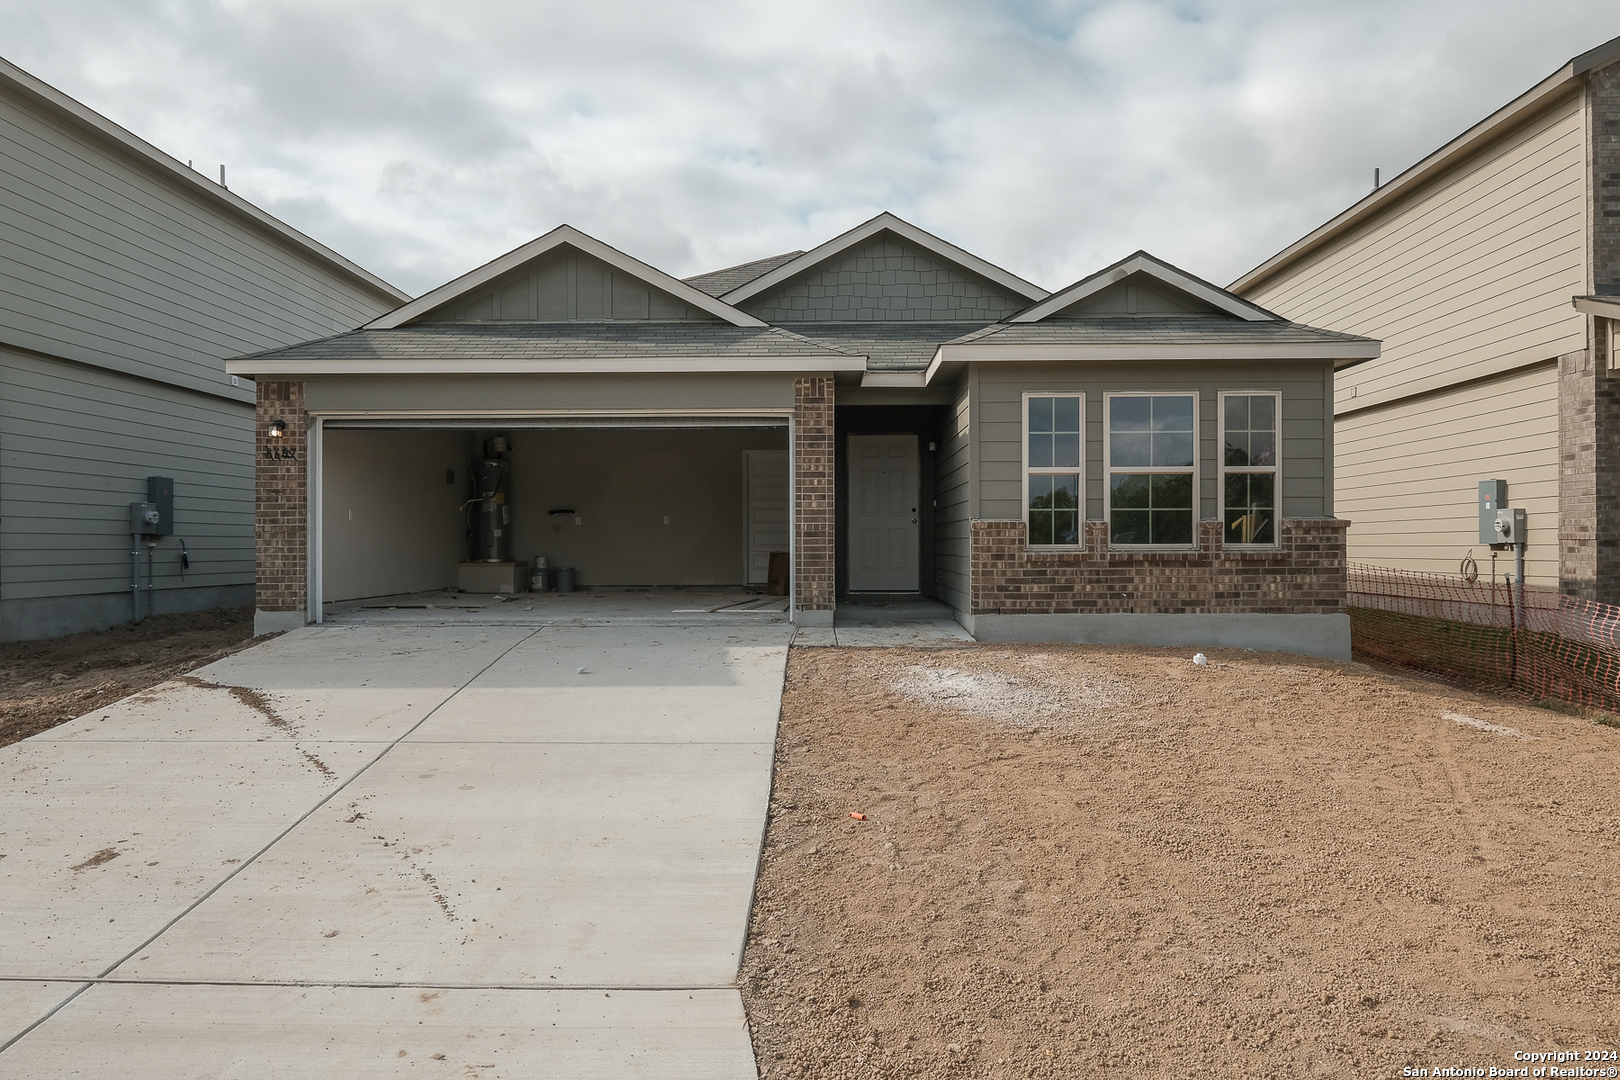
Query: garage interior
700,503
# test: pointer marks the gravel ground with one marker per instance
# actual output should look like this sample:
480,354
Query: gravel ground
1081,861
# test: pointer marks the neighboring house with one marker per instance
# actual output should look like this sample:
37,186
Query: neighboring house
126,278
1139,457
1465,267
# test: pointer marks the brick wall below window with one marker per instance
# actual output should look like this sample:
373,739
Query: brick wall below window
1306,576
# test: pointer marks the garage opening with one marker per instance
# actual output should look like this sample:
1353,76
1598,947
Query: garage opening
620,503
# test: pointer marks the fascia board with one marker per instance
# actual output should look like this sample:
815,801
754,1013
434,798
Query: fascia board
560,236
894,378
104,130
865,231
371,365
1159,271
951,358
1606,306
1562,82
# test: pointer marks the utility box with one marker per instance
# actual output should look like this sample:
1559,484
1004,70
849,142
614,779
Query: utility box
1492,497
160,493
1509,527
143,518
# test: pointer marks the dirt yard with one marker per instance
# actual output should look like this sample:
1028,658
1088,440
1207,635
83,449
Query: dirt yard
43,683
1081,861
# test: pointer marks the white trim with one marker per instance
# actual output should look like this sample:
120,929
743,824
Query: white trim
315,488
793,515
1312,352
774,412
562,236
1143,263
895,378
100,127
1251,470
865,231
589,366
1179,470
1080,523
1607,307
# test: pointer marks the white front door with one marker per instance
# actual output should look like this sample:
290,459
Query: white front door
767,510
883,505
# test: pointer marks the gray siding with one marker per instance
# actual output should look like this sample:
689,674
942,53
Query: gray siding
885,279
76,447
953,511
998,426
122,290
563,286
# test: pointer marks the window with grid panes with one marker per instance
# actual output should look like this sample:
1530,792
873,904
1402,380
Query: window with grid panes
1053,447
1249,467
1152,442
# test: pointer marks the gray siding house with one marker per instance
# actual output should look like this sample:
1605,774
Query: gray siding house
1139,457
125,280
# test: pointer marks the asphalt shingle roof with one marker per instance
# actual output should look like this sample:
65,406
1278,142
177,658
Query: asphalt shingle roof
719,282
558,341
1151,330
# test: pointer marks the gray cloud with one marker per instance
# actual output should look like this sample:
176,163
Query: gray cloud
422,139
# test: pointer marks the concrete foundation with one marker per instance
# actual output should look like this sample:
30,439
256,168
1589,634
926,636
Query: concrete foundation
1327,636
35,619
275,622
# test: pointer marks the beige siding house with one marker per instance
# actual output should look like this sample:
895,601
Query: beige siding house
126,278
1466,266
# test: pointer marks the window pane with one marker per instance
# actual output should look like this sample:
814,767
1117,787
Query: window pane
1263,446
1237,414
1054,491
1262,413
1065,414
1065,451
1040,527
1172,527
1066,526
1172,413
1129,492
1130,450
1172,449
1040,451
1040,491
1251,508
1237,447
1129,527
1040,414
1130,413
1172,492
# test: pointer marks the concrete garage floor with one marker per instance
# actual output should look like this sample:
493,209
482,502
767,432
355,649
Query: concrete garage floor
653,606
385,850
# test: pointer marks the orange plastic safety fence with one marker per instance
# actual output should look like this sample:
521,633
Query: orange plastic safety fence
1483,633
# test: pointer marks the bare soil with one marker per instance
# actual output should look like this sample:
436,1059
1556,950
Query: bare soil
44,683
1081,861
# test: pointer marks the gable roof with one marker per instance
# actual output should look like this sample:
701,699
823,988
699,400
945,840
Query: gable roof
1144,264
719,282
884,222
1560,83
104,131
561,236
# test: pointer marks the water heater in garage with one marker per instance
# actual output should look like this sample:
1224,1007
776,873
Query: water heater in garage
492,516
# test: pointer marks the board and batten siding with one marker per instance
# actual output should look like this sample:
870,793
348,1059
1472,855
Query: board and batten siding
76,446
1469,276
953,510
1306,446
1408,474
105,260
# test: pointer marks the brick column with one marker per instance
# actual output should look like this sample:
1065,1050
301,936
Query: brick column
813,495
281,509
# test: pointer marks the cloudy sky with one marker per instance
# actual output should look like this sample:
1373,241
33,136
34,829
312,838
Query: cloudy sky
423,138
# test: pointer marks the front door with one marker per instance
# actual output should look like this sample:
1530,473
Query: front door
883,493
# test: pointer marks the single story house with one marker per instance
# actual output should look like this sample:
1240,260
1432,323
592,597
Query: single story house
1139,457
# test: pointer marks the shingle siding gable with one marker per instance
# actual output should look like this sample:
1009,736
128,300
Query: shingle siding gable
884,280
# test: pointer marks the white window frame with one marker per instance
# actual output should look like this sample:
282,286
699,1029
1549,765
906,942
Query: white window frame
1023,438
1109,470
1274,470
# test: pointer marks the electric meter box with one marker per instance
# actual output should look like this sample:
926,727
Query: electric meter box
160,493
1509,527
143,518
1492,497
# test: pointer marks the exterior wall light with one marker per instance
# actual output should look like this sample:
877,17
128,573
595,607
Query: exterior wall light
278,428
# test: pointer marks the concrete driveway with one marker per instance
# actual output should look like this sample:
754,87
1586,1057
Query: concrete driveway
474,851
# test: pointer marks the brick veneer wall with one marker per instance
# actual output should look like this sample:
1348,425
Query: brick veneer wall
281,499
813,492
1305,577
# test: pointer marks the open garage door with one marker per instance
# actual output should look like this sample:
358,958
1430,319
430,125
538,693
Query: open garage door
626,502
